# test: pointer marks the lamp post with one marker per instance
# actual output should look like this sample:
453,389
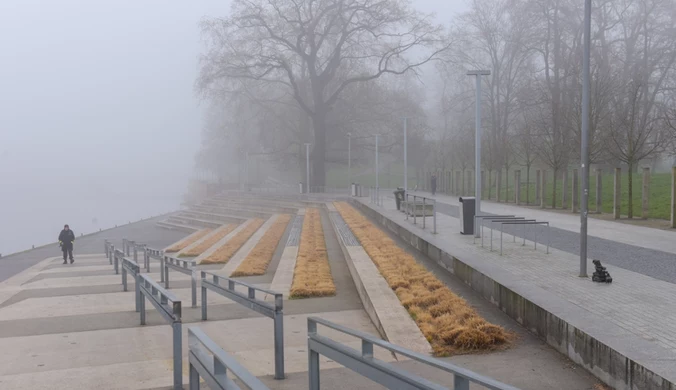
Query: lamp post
477,144
377,186
349,161
405,157
307,167
584,152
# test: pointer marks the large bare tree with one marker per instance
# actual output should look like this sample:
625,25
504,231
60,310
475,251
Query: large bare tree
316,50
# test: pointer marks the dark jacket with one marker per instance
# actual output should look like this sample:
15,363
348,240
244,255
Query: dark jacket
67,237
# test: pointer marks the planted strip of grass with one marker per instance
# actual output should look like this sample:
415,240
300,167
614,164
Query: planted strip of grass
225,252
450,325
210,241
184,243
257,261
312,275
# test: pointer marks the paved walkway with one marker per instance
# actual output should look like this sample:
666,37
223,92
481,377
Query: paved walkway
640,305
614,243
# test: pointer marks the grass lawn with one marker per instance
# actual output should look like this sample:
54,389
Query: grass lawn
658,203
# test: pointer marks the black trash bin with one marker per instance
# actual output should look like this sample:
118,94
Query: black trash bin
467,215
399,196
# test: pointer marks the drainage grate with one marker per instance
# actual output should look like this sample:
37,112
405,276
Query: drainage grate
348,238
294,234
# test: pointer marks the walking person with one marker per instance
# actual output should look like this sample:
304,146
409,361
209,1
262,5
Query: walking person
66,240
434,183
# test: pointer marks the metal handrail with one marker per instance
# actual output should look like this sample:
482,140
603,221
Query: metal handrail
132,267
157,255
169,308
424,202
249,300
210,362
183,266
117,257
364,362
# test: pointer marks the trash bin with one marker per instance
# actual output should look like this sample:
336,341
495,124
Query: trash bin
467,215
399,196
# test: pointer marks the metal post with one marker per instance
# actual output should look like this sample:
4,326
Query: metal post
193,287
279,338
349,162
204,298
142,309
405,155
194,378
460,383
137,288
166,275
124,279
434,210
162,267
377,184
415,209
178,355
307,168
477,143
424,213
584,153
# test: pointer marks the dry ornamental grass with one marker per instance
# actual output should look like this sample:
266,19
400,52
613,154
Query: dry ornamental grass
450,325
257,261
188,240
209,242
312,275
225,252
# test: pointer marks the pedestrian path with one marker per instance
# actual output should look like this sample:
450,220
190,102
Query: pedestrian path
645,237
635,313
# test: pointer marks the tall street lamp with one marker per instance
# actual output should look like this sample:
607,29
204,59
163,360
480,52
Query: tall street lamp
349,161
307,167
584,147
477,144
405,156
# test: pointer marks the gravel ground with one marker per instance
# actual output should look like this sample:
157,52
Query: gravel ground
657,264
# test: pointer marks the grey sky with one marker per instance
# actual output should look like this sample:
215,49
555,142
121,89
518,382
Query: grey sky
96,98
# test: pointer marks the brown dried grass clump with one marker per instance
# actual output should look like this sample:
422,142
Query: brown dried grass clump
450,325
184,243
312,275
210,241
227,250
257,261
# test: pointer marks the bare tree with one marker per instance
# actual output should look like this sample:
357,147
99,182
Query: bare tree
330,44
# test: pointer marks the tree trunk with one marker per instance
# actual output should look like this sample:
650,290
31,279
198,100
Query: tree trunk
554,190
527,184
506,184
630,211
318,153
490,183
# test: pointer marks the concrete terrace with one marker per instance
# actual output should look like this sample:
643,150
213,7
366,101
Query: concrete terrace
72,326
610,329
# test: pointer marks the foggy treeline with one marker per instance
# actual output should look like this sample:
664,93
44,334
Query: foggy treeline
280,73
